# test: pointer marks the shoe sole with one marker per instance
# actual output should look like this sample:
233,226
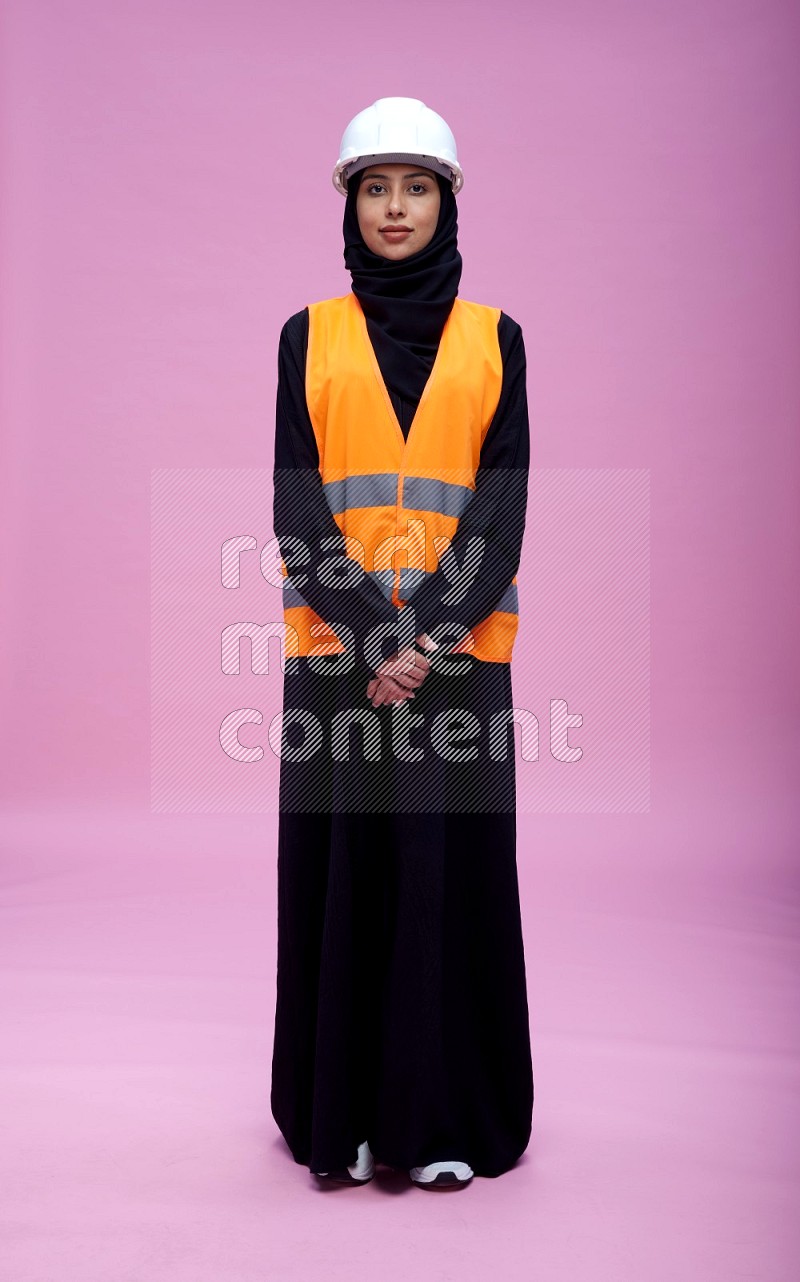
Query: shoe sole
444,1180
343,1177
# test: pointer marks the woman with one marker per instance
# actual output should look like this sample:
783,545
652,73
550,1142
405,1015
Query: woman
401,461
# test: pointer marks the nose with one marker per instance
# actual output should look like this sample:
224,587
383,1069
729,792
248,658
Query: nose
395,204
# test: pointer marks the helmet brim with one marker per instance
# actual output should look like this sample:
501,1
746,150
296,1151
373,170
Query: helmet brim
448,169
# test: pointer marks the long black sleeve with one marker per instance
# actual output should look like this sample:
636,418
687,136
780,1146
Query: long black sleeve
301,510
495,515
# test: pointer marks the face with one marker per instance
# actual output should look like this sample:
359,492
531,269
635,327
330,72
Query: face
398,208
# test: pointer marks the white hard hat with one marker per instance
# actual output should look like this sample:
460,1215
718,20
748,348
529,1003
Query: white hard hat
398,130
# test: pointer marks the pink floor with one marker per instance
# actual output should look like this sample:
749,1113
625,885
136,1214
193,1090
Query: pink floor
138,984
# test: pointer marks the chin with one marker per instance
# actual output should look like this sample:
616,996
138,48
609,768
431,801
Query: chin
391,251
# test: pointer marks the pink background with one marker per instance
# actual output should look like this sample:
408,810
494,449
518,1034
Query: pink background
631,198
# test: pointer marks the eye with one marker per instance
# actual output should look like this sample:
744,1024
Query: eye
371,186
422,188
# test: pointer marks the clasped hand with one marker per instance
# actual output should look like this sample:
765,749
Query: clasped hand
400,675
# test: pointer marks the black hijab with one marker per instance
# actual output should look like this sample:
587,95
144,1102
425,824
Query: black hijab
406,302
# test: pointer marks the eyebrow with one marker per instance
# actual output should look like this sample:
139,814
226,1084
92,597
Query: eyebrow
419,173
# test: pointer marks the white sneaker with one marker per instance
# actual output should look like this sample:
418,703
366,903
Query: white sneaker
442,1175
359,1172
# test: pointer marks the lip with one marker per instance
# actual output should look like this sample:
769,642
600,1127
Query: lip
395,231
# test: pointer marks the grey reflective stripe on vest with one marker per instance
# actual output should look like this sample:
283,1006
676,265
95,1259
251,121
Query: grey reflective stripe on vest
291,597
379,489
384,580
410,579
371,489
509,601
427,494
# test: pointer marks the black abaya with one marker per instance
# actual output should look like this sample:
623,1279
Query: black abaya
401,1013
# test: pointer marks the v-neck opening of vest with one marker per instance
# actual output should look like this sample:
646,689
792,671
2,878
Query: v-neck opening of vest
404,441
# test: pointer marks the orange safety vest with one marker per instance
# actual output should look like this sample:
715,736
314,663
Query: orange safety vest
398,496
